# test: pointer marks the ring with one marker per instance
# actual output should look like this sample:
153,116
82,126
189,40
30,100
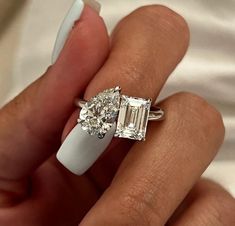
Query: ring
110,107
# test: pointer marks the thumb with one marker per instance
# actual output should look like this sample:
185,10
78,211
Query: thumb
31,124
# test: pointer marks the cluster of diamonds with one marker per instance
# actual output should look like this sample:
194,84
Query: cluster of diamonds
109,107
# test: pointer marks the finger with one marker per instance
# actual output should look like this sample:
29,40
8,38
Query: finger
157,174
55,199
208,204
146,47
31,125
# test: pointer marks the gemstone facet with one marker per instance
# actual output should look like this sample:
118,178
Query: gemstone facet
100,113
133,118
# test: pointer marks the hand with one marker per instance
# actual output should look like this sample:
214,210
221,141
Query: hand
156,182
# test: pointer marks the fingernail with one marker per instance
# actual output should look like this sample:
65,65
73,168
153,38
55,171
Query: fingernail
81,150
73,15
93,4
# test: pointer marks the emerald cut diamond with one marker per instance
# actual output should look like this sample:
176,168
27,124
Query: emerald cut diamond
133,118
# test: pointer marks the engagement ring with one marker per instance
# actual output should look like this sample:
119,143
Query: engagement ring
130,114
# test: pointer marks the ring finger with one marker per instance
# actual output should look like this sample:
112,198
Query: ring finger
156,175
146,47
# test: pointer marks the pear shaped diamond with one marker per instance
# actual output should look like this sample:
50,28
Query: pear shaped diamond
100,113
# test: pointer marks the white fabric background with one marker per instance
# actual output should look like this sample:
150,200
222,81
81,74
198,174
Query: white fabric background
208,68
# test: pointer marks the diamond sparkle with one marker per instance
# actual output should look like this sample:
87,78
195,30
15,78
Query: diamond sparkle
133,118
100,113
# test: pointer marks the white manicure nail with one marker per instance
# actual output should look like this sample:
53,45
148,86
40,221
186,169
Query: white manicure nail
93,4
74,14
80,150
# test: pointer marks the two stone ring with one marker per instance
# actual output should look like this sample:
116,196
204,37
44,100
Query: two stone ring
131,114
109,114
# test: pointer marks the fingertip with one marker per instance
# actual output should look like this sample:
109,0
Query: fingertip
88,36
75,13
80,150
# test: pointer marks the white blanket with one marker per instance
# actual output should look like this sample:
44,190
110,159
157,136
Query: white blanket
208,68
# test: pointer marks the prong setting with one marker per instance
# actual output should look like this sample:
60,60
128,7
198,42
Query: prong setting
130,114
133,118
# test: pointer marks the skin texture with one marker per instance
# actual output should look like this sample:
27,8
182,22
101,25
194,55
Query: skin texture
156,182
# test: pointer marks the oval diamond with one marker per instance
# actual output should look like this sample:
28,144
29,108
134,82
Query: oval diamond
100,113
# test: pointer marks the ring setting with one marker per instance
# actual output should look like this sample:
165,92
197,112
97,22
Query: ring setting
130,115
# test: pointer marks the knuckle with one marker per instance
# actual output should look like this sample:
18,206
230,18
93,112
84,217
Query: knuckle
139,210
200,110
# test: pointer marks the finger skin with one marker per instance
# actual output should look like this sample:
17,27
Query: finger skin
146,47
157,174
208,204
56,198
31,125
